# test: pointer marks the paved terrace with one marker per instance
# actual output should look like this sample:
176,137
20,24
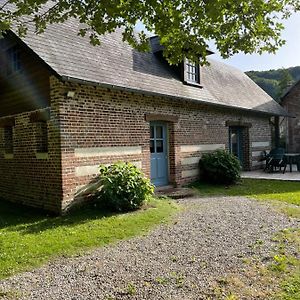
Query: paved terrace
260,174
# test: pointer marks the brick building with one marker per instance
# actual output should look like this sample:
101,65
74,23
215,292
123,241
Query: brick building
291,102
67,106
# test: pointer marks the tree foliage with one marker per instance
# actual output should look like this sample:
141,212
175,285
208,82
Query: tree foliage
270,86
275,82
285,82
184,26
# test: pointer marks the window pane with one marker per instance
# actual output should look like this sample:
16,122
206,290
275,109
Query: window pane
159,132
151,146
151,132
159,146
234,144
13,60
192,70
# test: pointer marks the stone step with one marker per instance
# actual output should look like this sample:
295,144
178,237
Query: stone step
175,193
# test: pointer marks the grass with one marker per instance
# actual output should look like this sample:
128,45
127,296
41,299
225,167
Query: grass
287,264
285,191
291,287
28,238
283,194
278,278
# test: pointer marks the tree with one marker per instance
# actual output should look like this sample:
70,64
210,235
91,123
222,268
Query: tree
285,81
184,26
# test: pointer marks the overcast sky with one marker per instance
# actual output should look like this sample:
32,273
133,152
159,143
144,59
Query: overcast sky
287,56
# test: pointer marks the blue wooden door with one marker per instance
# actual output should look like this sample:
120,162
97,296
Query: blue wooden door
236,142
159,154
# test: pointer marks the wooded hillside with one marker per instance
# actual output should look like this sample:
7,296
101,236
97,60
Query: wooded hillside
275,82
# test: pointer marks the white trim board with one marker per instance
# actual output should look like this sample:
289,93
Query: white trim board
256,153
93,170
199,148
190,173
107,151
190,160
260,144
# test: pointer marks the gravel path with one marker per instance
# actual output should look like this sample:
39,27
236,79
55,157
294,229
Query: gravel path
209,239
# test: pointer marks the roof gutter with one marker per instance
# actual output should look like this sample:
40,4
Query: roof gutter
144,92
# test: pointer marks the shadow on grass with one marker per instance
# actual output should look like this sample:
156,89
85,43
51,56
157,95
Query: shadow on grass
16,217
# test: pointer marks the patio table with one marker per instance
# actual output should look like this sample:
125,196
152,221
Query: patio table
292,158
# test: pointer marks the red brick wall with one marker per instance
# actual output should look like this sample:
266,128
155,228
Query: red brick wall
292,104
99,117
27,178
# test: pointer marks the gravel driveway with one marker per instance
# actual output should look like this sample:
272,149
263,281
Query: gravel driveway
209,239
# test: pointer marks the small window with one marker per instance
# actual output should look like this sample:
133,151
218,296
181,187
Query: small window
41,137
8,140
192,72
151,146
159,146
159,132
13,60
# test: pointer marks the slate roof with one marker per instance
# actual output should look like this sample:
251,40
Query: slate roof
115,63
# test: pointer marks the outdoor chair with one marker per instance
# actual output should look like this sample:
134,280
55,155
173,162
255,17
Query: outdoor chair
275,160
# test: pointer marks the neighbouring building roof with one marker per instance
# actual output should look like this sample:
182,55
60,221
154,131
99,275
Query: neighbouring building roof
115,63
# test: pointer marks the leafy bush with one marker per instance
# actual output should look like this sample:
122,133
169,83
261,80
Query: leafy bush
124,187
220,167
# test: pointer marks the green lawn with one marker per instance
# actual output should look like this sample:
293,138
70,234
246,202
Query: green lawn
28,238
284,191
280,193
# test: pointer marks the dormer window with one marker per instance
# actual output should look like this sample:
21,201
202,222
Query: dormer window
13,60
191,73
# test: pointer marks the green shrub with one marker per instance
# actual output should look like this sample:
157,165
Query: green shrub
220,167
124,187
